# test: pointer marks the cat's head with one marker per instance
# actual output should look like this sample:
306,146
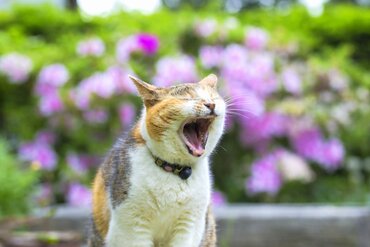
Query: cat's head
182,123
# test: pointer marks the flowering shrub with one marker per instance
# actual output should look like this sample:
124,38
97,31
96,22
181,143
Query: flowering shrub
287,113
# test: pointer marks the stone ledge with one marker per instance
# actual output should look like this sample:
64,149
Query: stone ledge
261,225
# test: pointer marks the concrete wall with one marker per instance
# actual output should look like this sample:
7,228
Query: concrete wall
268,225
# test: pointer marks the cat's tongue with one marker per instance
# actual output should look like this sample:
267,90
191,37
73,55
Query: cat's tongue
193,140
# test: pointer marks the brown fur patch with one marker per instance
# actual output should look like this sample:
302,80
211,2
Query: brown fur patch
137,135
161,116
101,214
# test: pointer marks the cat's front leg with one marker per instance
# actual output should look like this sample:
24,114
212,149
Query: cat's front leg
128,233
187,233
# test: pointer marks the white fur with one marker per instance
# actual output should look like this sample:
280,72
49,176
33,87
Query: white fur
161,209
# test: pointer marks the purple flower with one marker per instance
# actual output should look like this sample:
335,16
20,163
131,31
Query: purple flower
79,195
80,98
91,47
126,115
96,116
206,27
147,43
332,155
234,54
50,104
291,81
260,75
55,75
310,144
256,38
125,47
264,127
80,163
16,67
265,176
40,153
100,83
121,80
43,89
171,70
252,71
218,198
46,136
210,56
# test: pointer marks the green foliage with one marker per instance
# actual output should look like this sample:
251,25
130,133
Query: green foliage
16,184
340,38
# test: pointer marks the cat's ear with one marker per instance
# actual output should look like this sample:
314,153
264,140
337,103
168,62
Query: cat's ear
210,80
146,90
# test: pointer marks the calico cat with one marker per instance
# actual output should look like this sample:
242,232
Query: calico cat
154,187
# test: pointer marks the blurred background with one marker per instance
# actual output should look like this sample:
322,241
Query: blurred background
295,75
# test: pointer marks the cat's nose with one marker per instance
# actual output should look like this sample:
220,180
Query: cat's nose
210,106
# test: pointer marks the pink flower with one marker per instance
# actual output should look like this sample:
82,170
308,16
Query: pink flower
291,81
91,47
96,116
265,177
80,163
127,115
50,104
39,152
210,56
171,70
147,43
79,195
16,67
218,198
55,75
80,98
256,38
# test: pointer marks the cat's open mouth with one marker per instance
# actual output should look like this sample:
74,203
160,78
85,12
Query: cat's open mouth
194,133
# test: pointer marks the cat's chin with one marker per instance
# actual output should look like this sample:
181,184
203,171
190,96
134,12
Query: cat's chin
194,134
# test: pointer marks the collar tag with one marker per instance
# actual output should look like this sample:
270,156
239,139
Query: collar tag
184,172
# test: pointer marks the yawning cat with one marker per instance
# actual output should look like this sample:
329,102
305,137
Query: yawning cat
154,187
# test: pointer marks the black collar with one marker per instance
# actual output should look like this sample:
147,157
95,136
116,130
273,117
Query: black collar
183,172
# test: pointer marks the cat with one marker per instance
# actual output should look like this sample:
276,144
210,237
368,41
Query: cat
154,186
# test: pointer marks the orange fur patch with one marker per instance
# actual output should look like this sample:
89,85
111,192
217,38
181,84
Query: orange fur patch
161,116
101,214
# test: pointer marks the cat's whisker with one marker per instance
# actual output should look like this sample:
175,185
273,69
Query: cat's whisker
239,115
239,110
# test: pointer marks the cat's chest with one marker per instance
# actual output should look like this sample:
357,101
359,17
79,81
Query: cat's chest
155,189
165,189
